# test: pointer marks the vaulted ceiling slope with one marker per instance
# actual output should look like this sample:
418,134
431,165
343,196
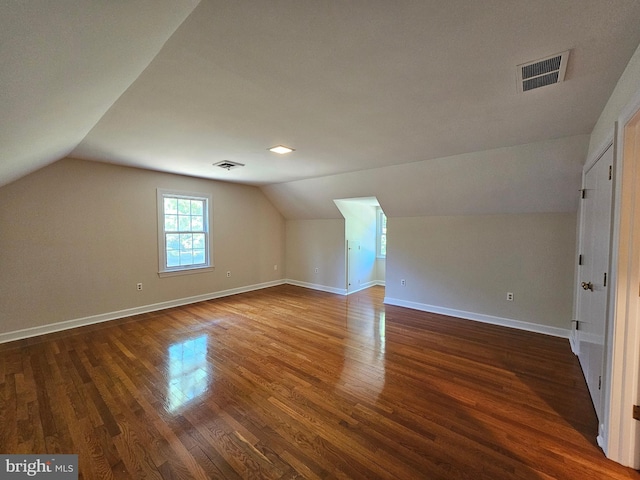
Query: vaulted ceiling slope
540,177
64,63
350,85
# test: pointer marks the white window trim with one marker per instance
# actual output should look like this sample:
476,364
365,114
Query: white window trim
379,214
163,271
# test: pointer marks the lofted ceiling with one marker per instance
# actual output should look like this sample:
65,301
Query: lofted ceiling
62,66
177,86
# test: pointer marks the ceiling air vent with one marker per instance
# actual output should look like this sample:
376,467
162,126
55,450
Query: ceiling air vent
228,164
543,72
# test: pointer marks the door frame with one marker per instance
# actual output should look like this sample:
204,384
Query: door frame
620,435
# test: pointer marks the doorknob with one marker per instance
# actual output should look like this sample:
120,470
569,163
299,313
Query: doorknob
587,286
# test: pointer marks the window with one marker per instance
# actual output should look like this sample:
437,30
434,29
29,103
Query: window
382,234
183,231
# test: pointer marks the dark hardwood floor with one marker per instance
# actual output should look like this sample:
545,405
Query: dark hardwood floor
293,383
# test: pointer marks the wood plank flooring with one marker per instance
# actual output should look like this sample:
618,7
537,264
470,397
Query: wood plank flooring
287,383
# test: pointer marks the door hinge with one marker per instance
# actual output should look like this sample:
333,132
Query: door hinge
579,259
610,172
600,383
636,412
583,192
577,322
605,279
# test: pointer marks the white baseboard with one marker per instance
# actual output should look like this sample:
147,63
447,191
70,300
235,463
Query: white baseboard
479,317
315,286
364,286
573,341
105,317
337,291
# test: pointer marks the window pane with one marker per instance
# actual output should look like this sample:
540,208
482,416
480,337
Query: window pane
198,256
173,258
184,223
170,223
186,242
383,244
170,205
197,207
197,223
186,258
199,240
184,206
173,241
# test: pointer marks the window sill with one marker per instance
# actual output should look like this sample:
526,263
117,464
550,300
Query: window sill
185,271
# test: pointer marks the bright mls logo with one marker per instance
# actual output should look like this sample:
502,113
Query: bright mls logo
52,467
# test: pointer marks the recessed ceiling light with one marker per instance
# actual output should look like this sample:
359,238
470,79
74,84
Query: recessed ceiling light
281,149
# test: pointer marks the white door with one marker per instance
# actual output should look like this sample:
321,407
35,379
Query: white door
593,274
353,260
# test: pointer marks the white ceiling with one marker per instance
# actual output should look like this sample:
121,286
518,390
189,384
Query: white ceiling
350,85
64,63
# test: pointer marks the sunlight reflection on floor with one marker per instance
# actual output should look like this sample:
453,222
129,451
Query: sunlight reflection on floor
189,374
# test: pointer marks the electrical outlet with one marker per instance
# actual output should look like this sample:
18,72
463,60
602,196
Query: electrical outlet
275,267
403,282
510,296
139,286
228,273
317,269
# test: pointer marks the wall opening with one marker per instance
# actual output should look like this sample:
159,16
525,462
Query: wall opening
365,265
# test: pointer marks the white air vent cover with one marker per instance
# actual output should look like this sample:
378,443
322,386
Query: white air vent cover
543,72
228,164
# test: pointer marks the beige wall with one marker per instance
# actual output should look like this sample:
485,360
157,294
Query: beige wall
469,263
312,244
381,270
76,237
